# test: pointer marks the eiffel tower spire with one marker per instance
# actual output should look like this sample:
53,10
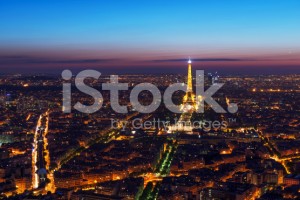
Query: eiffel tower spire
189,97
189,81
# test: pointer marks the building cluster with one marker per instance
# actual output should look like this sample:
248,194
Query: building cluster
255,156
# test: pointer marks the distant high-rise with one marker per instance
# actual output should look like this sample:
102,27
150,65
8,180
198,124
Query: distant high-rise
215,78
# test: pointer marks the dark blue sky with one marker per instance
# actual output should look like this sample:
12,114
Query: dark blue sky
233,34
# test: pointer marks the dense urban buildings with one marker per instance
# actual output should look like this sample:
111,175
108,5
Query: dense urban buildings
46,153
149,100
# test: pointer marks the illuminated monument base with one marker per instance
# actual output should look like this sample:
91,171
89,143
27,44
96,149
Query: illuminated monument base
181,126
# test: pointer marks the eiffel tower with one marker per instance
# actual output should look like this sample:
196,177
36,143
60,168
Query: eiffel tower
188,106
189,103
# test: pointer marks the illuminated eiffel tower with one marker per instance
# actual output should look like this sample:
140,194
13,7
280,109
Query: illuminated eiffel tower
189,104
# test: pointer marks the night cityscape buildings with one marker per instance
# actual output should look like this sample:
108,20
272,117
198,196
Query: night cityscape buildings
243,54
79,155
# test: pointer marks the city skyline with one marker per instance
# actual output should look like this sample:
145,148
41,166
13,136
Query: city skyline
149,100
